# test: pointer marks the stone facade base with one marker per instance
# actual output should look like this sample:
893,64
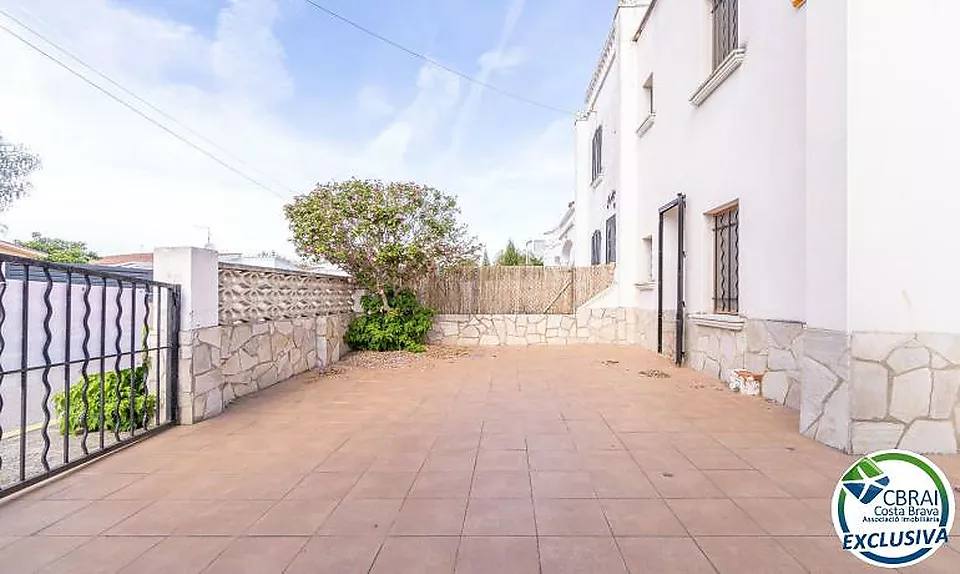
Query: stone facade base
219,364
596,326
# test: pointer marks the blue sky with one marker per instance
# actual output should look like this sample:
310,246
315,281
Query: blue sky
302,98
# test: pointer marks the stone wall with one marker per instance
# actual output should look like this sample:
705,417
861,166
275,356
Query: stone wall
587,326
906,392
219,364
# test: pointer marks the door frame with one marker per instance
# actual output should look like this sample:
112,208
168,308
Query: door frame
679,203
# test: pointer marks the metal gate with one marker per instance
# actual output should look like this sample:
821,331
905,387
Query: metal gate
88,364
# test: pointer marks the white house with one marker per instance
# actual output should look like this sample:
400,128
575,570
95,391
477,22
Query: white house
555,246
777,177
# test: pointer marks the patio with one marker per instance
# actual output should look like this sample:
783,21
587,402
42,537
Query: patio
503,461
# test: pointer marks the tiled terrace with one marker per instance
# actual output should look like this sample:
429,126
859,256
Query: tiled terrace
505,461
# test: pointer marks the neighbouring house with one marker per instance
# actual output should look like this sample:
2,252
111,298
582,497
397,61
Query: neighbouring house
776,180
555,246
7,248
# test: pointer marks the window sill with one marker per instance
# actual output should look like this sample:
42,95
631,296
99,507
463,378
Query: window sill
647,286
718,321
646,124
596,183
726,68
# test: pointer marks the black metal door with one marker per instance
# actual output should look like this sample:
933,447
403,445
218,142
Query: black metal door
679,204
88,363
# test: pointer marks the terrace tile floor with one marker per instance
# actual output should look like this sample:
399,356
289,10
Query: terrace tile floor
536,460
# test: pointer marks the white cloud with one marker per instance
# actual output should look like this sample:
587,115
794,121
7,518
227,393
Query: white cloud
119,183
372,102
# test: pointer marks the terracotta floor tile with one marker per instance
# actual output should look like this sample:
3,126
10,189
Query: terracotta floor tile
501,460
946,560
95,518
399,462
324,485
802,482
752,554
23,517
331,555
745,484
33,552
82,486
501,484
293,518
457,442
161,518
608,460
562,484
413,555
347,461
498,555
555,460
499,517
579,555
622,483
823,555
183,555
716,459
430,517
641,517
442,484
557,517
661,458
359,517
461,460
503,442
383,485
661,555
257,554
560,441
683,484
221,517
786,517
102,555
150,487
714,517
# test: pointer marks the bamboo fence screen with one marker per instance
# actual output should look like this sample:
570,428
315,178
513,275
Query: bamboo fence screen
496,290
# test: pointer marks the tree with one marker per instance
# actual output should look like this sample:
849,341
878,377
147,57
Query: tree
513,257
385,235
16,165
486,259
60,250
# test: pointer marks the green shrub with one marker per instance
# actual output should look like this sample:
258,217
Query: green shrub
402,327
115,418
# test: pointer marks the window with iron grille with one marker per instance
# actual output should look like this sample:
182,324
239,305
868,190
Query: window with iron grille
597,162
595,248
725,29
726,233
611,254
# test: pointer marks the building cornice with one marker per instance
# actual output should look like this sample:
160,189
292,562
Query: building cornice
606,58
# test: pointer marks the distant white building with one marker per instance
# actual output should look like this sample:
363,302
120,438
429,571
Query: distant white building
776,180
555,246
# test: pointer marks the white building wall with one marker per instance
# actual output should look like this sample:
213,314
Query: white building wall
744,143
904,253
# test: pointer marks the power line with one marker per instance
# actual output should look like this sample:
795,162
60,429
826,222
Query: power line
435,63
129,106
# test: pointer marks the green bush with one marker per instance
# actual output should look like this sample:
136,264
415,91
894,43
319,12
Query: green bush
402,327
115,418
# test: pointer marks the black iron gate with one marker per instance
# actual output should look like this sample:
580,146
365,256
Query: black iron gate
680,204
88,363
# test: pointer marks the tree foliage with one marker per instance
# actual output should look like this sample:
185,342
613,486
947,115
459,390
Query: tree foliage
16,165
60,250
383,234
513,257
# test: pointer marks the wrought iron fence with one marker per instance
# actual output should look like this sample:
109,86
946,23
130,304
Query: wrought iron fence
85,354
